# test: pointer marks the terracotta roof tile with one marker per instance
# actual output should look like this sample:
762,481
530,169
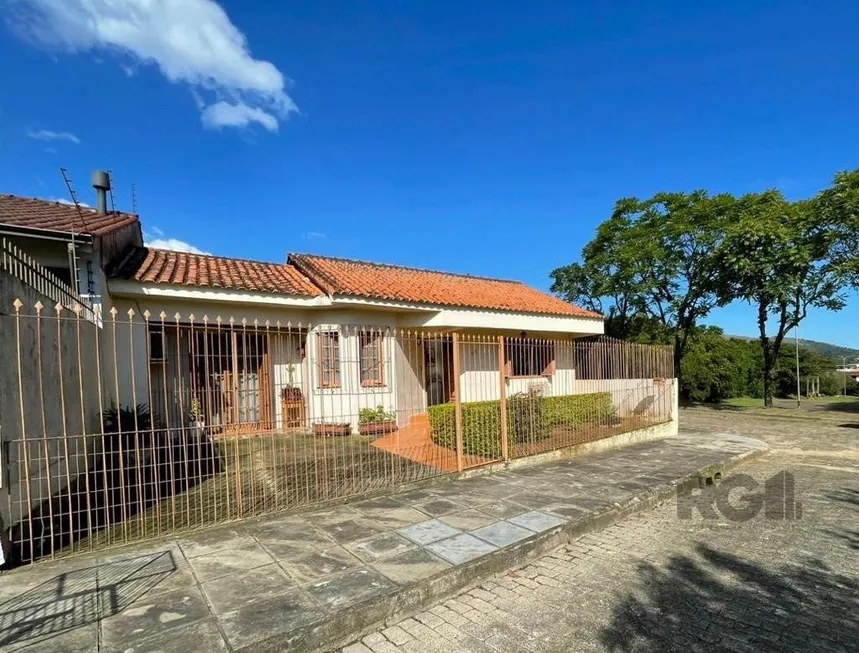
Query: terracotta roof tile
389,282
55,216
149,265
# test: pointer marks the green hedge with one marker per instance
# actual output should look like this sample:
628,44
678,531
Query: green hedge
529,418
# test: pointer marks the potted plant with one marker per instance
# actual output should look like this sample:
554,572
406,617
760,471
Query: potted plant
376,421
195,415
332,429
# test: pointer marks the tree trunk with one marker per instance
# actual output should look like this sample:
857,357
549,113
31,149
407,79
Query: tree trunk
769,361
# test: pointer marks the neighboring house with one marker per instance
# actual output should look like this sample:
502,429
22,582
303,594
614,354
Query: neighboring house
74,244
851,370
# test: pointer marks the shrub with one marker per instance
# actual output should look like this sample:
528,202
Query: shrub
575,411
530,417
526,420
481,425
377,414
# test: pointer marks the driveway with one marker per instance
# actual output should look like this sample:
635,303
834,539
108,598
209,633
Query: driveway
785,578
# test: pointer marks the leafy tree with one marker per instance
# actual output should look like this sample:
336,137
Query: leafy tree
837,210
777,257
652,268
717,368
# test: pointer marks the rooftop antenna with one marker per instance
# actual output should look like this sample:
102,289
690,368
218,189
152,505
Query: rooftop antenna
110,190
73,255
134,199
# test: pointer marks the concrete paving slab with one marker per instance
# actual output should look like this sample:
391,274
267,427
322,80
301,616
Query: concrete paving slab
428,531
501,509
565,511
397,517
238,591
79,638
349,588
461,549
467,520
411,566
268,618
380,546
229,561
385,503
148,616
214,540
537,521
292,540
502,533
351,530
313,566
415,496
200,636
438,507
531,500
330,515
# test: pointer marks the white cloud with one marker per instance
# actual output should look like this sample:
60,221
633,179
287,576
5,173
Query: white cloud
48,135
63,200
313,235
190,41
159,242
222,114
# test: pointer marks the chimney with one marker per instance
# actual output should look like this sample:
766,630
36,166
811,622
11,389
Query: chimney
101,183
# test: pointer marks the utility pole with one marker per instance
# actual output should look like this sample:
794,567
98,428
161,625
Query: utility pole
844,373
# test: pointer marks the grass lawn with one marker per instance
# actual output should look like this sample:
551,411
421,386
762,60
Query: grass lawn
264,474
757,402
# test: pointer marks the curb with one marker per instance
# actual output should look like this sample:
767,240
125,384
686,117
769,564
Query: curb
342,629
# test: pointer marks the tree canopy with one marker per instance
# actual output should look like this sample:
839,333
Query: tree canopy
657,267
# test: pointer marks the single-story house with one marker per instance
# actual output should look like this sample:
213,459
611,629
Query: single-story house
247,340
244,369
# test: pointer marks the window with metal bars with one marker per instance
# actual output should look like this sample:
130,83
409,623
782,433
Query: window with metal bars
328,351
372,358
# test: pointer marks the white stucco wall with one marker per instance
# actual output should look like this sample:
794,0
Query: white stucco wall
480,382
642,397
404,390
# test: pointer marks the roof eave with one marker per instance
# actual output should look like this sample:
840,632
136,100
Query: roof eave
46,234
348,298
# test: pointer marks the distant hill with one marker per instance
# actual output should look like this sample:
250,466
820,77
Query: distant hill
836,352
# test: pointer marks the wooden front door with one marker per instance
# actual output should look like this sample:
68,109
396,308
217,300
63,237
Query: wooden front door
236,378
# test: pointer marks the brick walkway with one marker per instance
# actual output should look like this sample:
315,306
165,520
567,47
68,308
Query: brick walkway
655,582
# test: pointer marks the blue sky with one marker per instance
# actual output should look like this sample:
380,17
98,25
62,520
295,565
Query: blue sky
481,137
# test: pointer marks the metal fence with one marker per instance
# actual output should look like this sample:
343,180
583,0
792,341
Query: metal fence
139,425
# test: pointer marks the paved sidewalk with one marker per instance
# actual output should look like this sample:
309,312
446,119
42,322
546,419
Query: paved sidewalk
301,581
658,583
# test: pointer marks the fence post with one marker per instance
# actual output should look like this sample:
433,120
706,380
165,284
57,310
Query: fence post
457,397
502,387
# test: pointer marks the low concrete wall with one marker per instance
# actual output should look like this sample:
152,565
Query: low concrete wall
636,397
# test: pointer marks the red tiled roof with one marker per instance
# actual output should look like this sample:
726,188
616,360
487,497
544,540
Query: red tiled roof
389,282
55,216
149,265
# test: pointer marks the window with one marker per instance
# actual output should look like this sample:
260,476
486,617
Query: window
372,359
156,346
529,357
329,359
